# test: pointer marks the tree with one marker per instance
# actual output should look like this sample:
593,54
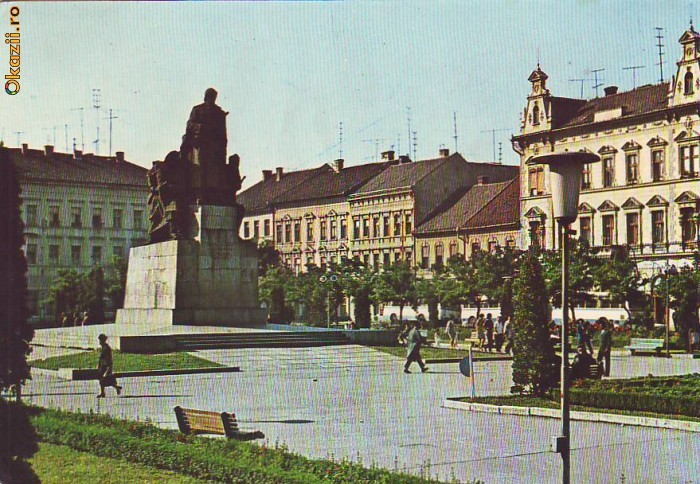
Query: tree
19,442
271,291
427,293
94,301
115,282
684,292
534,361
68,292
358,282
15,332
397,284
268,256
618,276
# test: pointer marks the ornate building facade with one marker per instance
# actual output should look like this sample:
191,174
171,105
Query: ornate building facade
645,192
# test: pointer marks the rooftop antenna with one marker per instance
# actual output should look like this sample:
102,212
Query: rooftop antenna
582,81
82,126
376,145
454,119
634,74
96,103
398,145
408,117
659,37
500,152
340,141
493,138
65,128
110,117
19,134
2,139
73,145
415,145
596,84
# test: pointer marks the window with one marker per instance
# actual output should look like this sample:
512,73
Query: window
365,260
536,115
397,256
425,256
536,235
118,251
323,230
536,181
117,216
246,230
75,218
297,265
632,164
96,254
266,228
54,218
608,171
278,232
309,261
397,224
689,160
439,254
287,232
96,218
53,253
453,248
510,243
75,255
476,247
365,227
334,229
138,219
632,229
343,228
31,254
356,228
256,229
608,229
31,216
657,165
297,231
375,227
688,228
658,235
586,177
309,230
387,259
585,229
493,247
375,260
386,226
688,83
409,224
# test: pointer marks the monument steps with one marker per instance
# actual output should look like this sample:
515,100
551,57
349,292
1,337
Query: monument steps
278,339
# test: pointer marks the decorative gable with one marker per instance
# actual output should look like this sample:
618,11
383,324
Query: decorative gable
608,206
607,150
685,85
687,136
585,207
657,141
534,213
687,198
631,146
657,201
309,216
632,204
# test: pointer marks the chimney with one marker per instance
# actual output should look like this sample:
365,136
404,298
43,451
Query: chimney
25,148
482,180
267,174
444,152
338,165
388,155
404,159
78,154
279,171
120,156
48,151
610,90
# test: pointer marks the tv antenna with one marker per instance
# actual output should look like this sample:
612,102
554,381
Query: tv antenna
19,134
82,127
454,118
340,140
415,145
596,84
660,37
634,74
376,145
96,104
493,138
500,152
408,119
582,81
110,117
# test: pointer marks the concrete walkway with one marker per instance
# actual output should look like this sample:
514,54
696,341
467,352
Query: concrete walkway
354,402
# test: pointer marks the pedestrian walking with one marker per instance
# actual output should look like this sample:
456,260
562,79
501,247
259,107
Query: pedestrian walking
84,322
64,320
499,334
509,334
488,326
104,368
451,331
414,341
583,337
605,347
480,331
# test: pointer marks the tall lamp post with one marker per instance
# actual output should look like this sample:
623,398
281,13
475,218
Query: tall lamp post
565,171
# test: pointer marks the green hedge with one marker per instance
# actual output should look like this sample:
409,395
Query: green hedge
671,405
210,459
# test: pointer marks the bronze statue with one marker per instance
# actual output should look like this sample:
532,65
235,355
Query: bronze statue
169,198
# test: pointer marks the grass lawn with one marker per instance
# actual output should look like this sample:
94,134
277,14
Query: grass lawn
60,464
429,353
126,361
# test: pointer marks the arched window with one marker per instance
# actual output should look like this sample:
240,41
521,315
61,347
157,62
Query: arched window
688,83
536,114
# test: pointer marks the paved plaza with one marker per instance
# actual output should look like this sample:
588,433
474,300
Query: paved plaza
354,402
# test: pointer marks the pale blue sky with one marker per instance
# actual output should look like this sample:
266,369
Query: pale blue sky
290,72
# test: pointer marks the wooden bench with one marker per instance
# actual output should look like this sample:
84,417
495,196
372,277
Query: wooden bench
645,345
595,371
195,422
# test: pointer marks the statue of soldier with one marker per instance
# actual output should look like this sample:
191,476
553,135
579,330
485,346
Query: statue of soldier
204,144
156,214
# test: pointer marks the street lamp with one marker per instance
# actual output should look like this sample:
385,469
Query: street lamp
565,171
665,273
332,279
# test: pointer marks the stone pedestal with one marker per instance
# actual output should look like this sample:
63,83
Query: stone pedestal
210,279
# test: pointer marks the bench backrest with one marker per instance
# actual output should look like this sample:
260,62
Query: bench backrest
646,342
192,421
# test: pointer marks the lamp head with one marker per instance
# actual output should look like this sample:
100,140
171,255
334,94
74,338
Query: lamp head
565,170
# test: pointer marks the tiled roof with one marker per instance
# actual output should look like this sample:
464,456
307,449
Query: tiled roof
491,204
258,198
35,166
635,102
404,175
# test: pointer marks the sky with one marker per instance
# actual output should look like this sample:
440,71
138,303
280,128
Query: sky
289,73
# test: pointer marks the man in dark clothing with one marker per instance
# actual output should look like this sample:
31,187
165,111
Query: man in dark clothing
414,341
488,326
583,337
605,347
104,368
581,366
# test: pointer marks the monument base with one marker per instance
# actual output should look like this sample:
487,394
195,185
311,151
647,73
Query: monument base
211,280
